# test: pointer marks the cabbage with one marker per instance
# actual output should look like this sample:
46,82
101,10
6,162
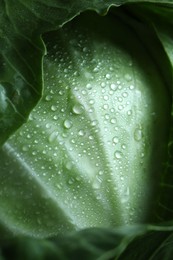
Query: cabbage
86,127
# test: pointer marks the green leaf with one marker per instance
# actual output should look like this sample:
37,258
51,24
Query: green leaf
87,244
86,157
21,51
153,245
161,18
132,243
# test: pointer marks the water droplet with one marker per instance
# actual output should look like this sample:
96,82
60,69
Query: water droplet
100,172
60,92
84,92
113,120
138,134
118,82
91,101
53,136
94,123
85,49
81,132
103,85
129,112
120,99
131,87
142,155
125,94
118,154
123,146
89,86
96,184
120,107
113,87
105,106
115,140
78,109
53,108
126,194
48,126
55,117
69,165
48,97
106,116
108,76
106,97
25,148
128,77
67,124
96,69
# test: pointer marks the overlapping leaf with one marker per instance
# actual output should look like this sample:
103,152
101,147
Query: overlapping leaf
21,51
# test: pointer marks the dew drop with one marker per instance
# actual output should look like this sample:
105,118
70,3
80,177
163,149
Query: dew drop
84,92
96,69
89,86
81,132
78,109
96,185
69,165
142,155
55,117
100,172
105,97
108,76
118,82
53,108
67,124
60,92
118,154
113,120
138,134
128,77
103,85
94,123
48,126
25,148
129,112
115,140
123,146
91,101
85,49
125,94
53,136
48,97
131,87
106,116
120,99
120,107
113,87
105,106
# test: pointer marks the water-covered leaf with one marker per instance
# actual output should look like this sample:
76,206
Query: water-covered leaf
86,157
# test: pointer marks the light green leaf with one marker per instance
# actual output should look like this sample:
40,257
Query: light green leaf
21,51
86,157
